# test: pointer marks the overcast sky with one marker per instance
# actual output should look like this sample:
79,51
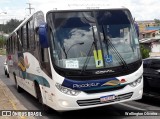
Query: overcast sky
140,9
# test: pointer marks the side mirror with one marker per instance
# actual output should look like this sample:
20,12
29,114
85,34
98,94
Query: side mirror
42,31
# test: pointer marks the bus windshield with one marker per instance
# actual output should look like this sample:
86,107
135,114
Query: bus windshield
85,40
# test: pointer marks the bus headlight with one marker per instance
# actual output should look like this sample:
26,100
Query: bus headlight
66,90
136,82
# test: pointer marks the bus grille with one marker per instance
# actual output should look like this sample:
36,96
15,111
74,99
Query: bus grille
97,100
105,90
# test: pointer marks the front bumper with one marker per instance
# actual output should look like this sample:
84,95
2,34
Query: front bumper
84,100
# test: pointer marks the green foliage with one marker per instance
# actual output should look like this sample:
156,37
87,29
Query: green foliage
2,45
2,41
2,51
7,28
157,21
10,25
144,52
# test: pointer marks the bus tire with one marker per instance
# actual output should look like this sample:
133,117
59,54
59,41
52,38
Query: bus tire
46,109
38,93
19,89
40,99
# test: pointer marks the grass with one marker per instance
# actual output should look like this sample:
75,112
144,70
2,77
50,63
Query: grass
2,51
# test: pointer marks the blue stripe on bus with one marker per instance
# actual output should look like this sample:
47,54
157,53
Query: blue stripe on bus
92,84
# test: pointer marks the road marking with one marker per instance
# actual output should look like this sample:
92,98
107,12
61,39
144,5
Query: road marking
12,103
130,106
15,108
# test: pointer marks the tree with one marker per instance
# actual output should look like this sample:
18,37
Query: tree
157,21
2,41
7,28
10,25
144,52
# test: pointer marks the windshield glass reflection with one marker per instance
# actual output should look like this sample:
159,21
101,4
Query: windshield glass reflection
93,40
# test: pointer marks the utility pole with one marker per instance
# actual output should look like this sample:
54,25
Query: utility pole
30,8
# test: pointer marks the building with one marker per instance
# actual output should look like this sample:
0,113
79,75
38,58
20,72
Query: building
144,24
151,40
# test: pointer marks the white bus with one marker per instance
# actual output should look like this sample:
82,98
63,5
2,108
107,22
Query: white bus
77,58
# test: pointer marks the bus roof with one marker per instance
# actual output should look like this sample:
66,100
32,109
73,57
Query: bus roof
74,6
71,7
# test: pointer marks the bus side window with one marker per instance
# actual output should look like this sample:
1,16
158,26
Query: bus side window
43,55
25,37
15,43
45,60
31,35
7,47
21,37
11,44
19,41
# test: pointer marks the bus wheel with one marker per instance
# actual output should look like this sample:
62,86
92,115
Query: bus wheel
40,99
19,89
46,109
38,93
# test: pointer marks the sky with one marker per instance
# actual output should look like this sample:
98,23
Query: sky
17,9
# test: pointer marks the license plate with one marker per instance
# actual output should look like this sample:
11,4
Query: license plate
107,98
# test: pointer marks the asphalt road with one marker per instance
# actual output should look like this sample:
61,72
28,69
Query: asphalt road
112,111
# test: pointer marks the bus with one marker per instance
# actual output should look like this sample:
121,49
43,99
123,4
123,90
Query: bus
72,59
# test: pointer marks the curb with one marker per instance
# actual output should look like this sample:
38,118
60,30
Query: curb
9,102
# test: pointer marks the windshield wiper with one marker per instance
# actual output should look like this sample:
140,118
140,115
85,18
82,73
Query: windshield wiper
108,42
94,43
87,59
64,51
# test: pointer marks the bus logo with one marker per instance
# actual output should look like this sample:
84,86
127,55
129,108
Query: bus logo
103,72
85,85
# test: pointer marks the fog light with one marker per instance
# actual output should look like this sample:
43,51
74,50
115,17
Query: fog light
141,91
64,103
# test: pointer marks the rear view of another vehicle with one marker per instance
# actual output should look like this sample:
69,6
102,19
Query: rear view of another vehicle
152,76
6,68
